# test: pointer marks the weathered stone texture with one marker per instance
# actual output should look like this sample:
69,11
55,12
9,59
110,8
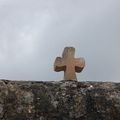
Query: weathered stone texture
69,64
64,100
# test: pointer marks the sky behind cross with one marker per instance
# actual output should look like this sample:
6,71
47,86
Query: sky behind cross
34,32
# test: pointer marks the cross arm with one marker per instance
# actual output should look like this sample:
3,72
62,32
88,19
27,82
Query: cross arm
79,64
59,64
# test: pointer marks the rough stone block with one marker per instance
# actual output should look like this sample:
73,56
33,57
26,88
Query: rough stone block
63,100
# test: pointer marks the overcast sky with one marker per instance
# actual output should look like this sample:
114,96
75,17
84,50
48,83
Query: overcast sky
34,32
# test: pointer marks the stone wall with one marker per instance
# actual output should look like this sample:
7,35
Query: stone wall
63,100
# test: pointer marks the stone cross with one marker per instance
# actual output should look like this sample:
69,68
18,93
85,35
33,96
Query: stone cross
69,64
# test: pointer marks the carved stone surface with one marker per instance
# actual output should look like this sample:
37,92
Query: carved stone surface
69,64
63,100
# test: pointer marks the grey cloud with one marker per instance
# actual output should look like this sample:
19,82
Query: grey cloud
34,32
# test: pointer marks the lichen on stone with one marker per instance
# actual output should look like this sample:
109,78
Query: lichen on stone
63,100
